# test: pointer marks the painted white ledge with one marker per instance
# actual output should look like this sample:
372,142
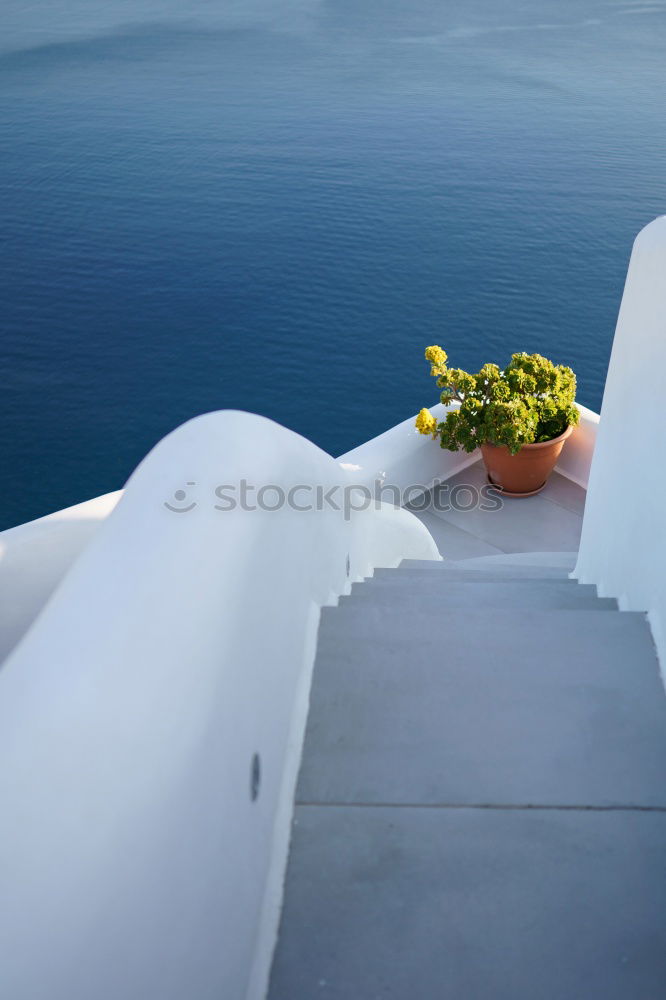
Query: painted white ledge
405,459
34,558
576,457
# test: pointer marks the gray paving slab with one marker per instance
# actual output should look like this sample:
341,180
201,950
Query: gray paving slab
563,491
470,904
559,489
522,525
548,595
562,560
453,542
550,520
491,706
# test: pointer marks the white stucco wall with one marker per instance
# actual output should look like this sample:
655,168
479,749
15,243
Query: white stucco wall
178,645
623,544
34,558
404,458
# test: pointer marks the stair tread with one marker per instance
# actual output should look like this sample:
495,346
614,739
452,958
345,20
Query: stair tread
472,903
429,583
453,572
474,567
402,597
455,709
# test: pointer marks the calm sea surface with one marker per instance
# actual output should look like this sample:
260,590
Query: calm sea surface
277,204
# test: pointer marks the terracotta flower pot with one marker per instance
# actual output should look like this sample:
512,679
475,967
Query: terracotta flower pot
526,472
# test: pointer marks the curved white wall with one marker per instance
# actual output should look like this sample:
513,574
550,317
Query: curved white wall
623,544
179,645
34,558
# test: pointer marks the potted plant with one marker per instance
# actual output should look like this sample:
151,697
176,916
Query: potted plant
519,417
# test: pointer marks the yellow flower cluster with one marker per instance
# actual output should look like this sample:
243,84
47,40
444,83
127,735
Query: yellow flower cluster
438,359
436,355
425,422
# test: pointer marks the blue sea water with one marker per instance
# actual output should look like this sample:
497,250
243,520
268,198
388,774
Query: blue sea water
277,204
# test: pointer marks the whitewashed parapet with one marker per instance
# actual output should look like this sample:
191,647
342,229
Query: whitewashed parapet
623,543
34,558
151,720
405,459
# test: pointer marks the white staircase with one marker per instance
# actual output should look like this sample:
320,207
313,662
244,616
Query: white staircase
481,809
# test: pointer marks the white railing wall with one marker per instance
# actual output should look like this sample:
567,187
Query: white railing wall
623,544
151,721
34,558
405,459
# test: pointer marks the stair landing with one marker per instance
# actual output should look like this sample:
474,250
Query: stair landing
465,522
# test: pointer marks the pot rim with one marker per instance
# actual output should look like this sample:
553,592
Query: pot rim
535,444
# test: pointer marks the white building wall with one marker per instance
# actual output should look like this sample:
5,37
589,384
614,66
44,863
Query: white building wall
623,544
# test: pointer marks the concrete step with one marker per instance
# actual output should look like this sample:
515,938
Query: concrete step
425,578
493,706
561,560
401,596
505,562
472,904
529,565
453,571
